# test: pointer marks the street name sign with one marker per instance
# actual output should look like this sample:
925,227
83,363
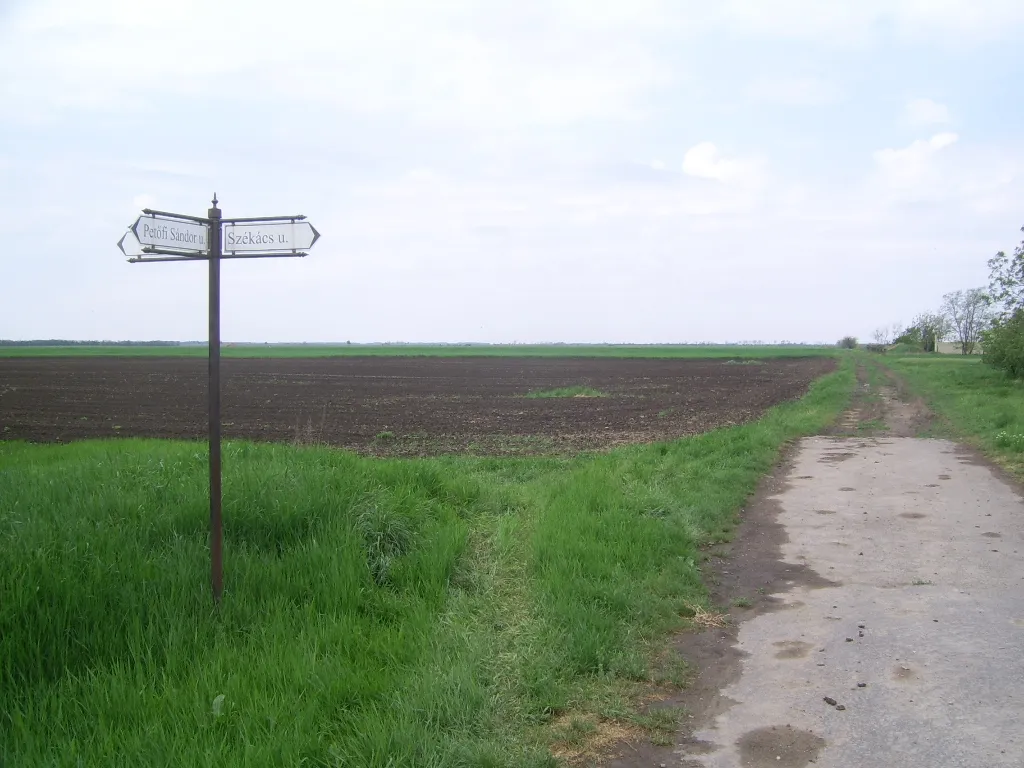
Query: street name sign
166,236
178,234
268,236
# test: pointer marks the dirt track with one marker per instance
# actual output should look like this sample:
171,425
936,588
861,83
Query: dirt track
398,406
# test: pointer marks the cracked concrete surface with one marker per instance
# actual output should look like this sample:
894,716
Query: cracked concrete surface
920,636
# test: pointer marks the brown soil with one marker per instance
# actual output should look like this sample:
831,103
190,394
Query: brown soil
396,406
888,408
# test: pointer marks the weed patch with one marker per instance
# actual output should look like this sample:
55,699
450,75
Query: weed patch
577,391
1011,441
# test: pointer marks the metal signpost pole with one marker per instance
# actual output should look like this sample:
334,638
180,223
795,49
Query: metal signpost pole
216,538
164,236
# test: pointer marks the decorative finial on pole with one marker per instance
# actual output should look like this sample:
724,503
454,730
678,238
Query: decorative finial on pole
214,199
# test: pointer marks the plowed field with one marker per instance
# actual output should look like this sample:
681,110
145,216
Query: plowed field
397,406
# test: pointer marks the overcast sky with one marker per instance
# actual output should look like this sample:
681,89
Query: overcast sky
538,170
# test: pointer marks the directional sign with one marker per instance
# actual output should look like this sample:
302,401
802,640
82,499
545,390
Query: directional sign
133,249
186,236
268,236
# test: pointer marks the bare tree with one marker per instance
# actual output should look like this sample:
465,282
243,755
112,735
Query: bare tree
934,327
886,333
969,313
936,322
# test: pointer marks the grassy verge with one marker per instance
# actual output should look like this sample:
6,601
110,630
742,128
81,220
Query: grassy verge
441,612
977,402
439,350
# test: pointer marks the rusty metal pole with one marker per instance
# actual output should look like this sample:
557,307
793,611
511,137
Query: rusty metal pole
216,539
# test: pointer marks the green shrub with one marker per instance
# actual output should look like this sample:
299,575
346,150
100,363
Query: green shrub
911,338
1004,345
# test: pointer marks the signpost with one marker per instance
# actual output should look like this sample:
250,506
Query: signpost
178,237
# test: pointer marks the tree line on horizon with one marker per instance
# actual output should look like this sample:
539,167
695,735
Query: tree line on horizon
80,343
992,317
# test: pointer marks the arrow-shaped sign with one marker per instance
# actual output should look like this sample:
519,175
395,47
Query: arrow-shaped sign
186,236
268,236
120,244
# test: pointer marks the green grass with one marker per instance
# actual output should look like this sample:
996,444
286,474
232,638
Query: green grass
577,391
976,399
876,378
399,350
872,425
437,612
977,402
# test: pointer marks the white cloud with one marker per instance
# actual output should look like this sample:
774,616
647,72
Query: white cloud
704,161
449,62
911,170
955,22
453,60
925,112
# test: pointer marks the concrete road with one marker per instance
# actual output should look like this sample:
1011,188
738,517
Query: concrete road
919,641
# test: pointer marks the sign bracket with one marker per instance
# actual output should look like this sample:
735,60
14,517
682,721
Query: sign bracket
251,219
182,216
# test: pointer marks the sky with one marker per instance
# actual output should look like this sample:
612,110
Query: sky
645,171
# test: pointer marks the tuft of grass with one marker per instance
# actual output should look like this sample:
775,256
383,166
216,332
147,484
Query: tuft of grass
872,425
576,391
705,619
377,612
742,602
664,719
670,669
310,433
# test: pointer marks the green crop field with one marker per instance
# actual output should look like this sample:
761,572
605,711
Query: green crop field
378,612
403,350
